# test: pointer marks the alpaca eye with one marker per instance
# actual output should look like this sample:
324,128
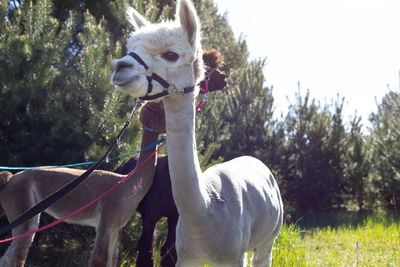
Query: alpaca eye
170,56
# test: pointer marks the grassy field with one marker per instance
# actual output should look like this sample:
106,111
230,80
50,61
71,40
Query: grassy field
375,242
322,240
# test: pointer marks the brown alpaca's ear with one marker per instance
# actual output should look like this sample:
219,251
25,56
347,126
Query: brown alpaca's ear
188,18
212,59
134,17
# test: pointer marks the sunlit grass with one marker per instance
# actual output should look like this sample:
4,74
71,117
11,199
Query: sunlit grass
375,243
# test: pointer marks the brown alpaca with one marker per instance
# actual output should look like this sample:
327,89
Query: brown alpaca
23,190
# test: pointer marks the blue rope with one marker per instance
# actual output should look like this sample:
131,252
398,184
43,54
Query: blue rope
151,129
81,164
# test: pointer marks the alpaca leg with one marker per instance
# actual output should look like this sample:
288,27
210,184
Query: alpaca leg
18,250
105,247
115,255
168,251
243,261
262,255
145,245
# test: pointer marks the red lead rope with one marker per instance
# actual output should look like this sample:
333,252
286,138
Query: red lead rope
205,90
100,196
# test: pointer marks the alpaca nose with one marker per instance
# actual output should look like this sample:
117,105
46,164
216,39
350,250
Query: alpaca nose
123,71
119,64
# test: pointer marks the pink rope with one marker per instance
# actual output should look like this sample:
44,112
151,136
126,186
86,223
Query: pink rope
95,200
200,104
204,90
88,204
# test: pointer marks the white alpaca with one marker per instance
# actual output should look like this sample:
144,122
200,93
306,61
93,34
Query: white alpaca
231,208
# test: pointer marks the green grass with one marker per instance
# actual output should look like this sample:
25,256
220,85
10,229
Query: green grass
373,243
367,241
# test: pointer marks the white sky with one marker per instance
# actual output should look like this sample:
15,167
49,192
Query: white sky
350,47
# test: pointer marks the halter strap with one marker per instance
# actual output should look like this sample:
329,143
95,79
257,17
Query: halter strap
139,59
204,83
168,88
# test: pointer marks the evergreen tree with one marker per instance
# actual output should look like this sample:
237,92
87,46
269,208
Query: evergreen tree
247,109
31,49
335,153
313,165
385,141
357,165
58,104
240,122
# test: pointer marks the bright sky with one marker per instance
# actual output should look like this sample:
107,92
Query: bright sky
350,47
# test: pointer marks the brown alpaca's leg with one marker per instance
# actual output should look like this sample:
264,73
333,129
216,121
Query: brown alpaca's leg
104,250
18,250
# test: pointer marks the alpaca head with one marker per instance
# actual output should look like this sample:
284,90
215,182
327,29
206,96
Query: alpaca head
170,49
216,79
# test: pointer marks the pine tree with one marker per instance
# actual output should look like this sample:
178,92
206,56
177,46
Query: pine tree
337,146
313,166
31,49
58,104
357,165
240,122
385,151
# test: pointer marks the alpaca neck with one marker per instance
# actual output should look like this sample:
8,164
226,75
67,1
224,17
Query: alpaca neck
187,186
144,176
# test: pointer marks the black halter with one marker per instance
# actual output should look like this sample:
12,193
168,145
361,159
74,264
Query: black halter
150,76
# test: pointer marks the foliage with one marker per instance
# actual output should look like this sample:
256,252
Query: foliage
357,165
316,141
385,150
373,242
56,96
240,122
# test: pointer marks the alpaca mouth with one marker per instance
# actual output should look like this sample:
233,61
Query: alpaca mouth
125,84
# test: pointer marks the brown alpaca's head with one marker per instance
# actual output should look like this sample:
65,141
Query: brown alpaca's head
212,59
216,79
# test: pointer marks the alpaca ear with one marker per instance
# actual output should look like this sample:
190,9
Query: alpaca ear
189,20
134,17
